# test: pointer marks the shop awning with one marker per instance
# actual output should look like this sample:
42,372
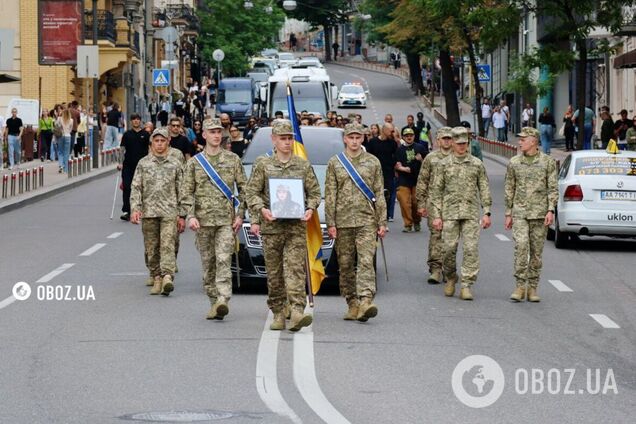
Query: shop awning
625,60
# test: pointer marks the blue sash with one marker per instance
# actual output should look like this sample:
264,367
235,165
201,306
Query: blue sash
357,179
216,179
270,153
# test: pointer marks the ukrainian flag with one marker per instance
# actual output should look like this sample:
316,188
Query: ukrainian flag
314,232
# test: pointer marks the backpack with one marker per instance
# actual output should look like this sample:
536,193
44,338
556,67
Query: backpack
58,129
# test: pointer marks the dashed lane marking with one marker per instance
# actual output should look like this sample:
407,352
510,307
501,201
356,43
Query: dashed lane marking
560,286
51,275
502,237
92,249
604,320
114,235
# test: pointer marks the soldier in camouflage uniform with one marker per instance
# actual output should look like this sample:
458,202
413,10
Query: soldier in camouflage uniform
531,196
460,184
355,223
154,202
424,181
284,240
213,217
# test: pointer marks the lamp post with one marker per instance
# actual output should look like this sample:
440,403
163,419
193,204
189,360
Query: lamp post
96,114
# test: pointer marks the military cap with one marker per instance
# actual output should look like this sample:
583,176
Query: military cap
460,135
212,124
354,128
160,131
529,132
282,127
407,131
445,132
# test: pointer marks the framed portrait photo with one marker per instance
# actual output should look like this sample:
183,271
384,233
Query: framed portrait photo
287,198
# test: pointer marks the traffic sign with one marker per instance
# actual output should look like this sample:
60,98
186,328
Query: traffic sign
218,55
483,73
160,77
87,61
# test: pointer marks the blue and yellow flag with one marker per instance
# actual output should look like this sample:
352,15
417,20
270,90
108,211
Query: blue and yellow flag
314,232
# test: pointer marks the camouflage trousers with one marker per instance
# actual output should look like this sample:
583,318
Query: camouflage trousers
468,230
159,235
435,248
216,246
408,205
285,256
529,236
356,281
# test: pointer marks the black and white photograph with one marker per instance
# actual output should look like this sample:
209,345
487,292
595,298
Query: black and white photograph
287,198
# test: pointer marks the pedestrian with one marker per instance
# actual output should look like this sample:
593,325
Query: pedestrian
178,140
284,240
355,212
3,125
335,46
154,202
486,115
214,213
76,115
113,118
499,123
149,127
531,195
13,134
503,106
45,129
226,121
546,127
250,129
568,128
607,129
65,121
620,130
526,116
81,135
384,148
374,131
458,189
589,125
237,143
630,135
422,191
134,143
423,134
409,157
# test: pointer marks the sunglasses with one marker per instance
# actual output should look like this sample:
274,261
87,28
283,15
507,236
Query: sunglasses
175,125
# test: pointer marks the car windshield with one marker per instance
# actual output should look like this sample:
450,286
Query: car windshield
285,56
320,170
307,96
234,96
351,89
605,165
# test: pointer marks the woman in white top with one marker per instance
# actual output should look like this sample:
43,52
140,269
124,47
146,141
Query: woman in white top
499,123
65,120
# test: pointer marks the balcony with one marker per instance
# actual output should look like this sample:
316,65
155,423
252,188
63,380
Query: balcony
105,25
629,22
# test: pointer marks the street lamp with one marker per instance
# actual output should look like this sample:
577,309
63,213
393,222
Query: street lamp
248,5
289,5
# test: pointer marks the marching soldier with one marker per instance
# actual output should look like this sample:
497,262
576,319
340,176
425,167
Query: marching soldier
455,205
208,199
284,240
424,182
154,202
356,215
531,196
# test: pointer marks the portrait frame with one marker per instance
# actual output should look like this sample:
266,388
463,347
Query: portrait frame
291,207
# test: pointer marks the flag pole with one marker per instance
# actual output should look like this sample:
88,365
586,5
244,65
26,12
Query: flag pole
310,293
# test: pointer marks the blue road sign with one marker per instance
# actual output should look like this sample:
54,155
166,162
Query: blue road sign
483,73
161,77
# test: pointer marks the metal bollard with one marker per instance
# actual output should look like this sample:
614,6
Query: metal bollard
20,182
75,167
35,178
27,182
102,158
5,185
13,178
41,176
69,168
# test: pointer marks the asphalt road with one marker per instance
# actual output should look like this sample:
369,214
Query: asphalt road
126,355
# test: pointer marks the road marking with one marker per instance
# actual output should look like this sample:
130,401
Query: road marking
51,275
6,302
307,382
604,321
114,235
502,237
93,249
560,286
266,373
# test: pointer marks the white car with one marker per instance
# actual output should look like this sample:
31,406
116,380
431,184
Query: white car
352,95
309,61
597,196
286,59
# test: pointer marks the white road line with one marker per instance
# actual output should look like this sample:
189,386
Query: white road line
51,275
6,302
114,235
266,374
502,237
93,249
604,321
560,286
307,382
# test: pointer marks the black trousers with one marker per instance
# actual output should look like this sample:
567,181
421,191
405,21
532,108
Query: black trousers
127,175
45,151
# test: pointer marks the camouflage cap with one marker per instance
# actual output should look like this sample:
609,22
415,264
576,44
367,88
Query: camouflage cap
408,131
354,128
460,135
212,124
529,132
160,131
282,127
445,132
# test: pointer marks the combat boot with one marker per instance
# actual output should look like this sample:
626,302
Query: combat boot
167,286
299,320
465,294
436,277
287,310
519,294
218,310
449,288
367,310
156,286
352,312
279,322
532,295
150,281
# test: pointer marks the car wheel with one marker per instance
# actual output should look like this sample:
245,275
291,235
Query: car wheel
561,239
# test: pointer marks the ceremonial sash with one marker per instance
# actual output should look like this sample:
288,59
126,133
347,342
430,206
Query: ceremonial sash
270,153
357,179
216,179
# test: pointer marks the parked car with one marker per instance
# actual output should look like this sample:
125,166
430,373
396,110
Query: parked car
597,196
286,59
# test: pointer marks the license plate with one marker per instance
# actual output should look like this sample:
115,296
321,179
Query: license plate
351,102
618,195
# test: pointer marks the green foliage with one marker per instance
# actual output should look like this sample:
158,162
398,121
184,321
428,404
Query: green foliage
326,13
380,11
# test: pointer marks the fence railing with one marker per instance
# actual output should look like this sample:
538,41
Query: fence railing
499,148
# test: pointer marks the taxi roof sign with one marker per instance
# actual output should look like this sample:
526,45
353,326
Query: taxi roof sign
612,147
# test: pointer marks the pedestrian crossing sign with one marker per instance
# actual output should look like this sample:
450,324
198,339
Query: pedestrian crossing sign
161,77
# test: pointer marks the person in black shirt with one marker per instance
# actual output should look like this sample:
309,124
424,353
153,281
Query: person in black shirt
13,134
179,141
237,143
384,148
113,117
423,133
135,144
409,159
620,130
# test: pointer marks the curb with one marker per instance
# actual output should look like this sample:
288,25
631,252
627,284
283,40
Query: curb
54,190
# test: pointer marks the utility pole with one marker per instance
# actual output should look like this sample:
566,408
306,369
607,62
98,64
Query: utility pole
95,96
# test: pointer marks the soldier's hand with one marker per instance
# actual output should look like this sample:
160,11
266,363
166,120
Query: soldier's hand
308,214
333,233
180,225
508,222
549,218
194,224
422,212
485,222
438,224
255,229
135,217
238,222
267,214
381,231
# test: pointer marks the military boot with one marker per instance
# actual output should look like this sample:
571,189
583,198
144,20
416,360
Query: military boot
150,281
167,286
532,295
299,320
287,310
519,294
352,312
367,310
156,286
279,322
449,288
465,293
436,277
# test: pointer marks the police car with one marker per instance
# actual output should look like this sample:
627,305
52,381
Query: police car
597,196
352,94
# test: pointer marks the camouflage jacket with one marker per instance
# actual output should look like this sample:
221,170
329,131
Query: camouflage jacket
201,198
258,196
345,205
425,178
176,155
458,186
155,187
531,186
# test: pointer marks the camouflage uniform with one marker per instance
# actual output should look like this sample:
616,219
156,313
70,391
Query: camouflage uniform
284,240
424,180
200,198
356,221
530,192
454,198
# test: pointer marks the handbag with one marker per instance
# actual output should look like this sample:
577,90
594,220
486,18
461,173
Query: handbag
562,131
